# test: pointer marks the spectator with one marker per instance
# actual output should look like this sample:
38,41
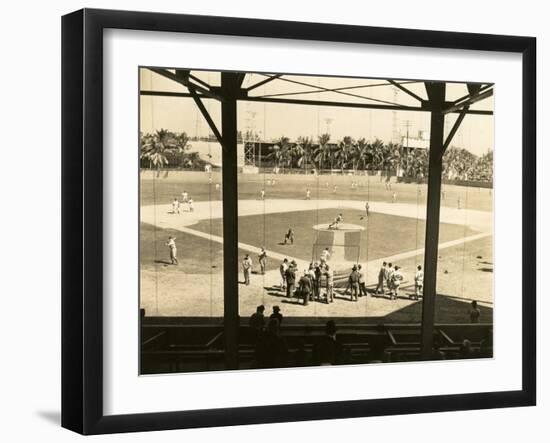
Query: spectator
277,314
475,313
328,351
271,350
466,350
257,320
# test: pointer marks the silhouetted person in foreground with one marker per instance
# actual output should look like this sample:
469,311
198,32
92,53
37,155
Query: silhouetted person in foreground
271,350
437,353
277,314
328,351
257,320
475,313
466,350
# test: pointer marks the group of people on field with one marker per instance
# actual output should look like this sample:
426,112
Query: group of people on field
392,276
185,199
309,287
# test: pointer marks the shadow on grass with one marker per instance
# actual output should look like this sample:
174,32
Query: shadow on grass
448,309
163,262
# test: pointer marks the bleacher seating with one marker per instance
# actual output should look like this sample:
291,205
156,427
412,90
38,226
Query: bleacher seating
168,345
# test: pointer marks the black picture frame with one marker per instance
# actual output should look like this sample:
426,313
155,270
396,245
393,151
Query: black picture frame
82,218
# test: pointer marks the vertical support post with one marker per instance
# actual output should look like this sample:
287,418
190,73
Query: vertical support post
436,94
229,88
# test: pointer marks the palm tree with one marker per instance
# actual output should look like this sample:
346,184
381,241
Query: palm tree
322,152
182,141
296,153
157,147
363,154
345,152
286,155
307,146
377,149
275,155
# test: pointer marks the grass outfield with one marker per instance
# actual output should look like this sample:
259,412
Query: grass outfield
385,234
163,190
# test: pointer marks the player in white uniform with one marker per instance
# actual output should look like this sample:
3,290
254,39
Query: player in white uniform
175,206
308,194
262,194
337,221
184,196
325,255
282,270
173,250
190,203
217,186
397,278
418,282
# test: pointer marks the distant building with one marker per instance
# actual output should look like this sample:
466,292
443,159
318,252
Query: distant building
421,141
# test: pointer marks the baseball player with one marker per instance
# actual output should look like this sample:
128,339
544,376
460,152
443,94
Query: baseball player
418,282
173,250
262,258
175,206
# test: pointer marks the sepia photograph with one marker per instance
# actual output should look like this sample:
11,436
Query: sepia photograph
365,226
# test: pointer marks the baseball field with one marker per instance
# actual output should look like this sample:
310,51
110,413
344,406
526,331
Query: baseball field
393,231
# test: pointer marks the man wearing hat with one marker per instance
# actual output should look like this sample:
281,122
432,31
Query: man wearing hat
397,278
290,279
353,281
282,270
277,314
304,286
247,269
262,258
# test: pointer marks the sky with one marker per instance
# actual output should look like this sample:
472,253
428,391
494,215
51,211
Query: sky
273,120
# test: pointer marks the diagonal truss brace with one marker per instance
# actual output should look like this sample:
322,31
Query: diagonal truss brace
454,129
182,78
406,90
206,116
